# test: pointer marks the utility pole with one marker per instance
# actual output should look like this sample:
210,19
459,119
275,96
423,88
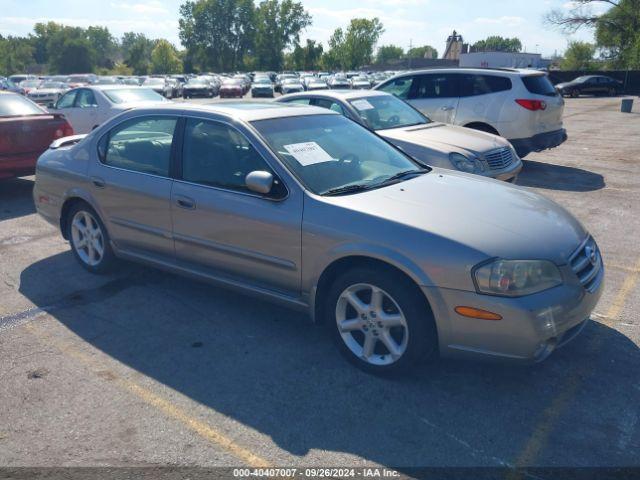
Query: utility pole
408,55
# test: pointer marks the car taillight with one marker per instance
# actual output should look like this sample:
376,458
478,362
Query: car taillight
532,105
65,130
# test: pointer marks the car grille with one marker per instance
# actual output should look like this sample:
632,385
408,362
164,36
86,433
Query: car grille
586,263
499,159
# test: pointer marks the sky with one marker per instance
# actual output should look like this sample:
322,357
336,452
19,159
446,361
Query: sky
406,22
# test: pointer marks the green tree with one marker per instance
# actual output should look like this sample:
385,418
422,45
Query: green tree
578,56
43,33
496,43
164,58
104,45
354,48
389,52
278,25
426,51
136,51
16,55
70,51
217,33
617,30
305,57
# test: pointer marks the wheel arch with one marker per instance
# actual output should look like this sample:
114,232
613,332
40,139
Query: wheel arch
342,264
483,127
70,201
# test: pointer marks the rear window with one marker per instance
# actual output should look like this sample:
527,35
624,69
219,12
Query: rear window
540,85
126,95
482,84
11,105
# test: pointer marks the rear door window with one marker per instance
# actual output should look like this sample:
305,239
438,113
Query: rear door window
85,98
141,145
472,85
540,85
444,85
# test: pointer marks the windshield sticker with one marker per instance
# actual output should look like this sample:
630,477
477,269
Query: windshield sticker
308,153
362,104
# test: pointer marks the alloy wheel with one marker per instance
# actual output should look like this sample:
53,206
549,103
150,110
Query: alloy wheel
87,238
371,324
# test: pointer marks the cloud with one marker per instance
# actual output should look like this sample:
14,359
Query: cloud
504,20
148,7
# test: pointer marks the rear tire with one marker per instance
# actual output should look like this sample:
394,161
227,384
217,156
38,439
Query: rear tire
89,239
379,322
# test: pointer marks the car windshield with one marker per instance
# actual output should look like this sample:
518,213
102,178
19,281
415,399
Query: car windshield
17,105
264,81
126,95
232,81
154,81
53,85
330,152
582,79
30,83
386,111
197,81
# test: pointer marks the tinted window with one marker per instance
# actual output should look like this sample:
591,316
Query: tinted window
217,155
540,85
67,100
436,86
18,105
142,145
482,84
400,87
85,99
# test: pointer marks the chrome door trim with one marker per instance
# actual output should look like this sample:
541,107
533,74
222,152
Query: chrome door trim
142,228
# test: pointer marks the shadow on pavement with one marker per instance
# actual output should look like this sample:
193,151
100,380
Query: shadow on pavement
558,177
270,370
15,198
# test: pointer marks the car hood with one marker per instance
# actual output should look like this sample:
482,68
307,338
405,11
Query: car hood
47,90
486,216
446,138
566,84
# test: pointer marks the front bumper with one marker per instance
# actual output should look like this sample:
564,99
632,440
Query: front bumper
539,142
532,327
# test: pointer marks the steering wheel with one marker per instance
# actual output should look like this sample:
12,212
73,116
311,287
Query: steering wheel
393,120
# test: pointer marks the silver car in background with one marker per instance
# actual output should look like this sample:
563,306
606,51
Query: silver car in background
434,143
300,205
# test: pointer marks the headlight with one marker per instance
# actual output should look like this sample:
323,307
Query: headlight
465,164
514,278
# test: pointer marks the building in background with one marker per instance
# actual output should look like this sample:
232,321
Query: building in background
504,60
455,47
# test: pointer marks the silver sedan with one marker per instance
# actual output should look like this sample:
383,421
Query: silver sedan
305,207
434,143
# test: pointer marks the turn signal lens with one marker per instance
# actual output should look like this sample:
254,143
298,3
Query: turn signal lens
477,313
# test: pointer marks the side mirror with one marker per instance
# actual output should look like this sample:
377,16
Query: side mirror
259,181
51,105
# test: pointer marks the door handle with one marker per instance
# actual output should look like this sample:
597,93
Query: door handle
98,182
185,202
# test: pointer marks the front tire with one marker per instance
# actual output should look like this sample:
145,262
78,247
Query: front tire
89,239
575,93
379,320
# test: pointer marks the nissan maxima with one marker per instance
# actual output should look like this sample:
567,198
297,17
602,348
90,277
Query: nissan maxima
300,205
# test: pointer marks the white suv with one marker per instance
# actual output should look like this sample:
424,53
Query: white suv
520,105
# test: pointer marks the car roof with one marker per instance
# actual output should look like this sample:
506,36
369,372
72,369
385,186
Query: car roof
478,70
339,94
250,111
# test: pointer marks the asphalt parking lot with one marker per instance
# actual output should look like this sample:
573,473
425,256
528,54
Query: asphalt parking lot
144,368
